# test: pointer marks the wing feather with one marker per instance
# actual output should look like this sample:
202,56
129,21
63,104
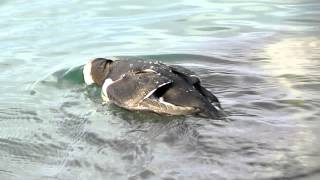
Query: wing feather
192,78
134,87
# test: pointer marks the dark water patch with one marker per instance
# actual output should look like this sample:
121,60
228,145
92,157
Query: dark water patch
32,152
304,20
93,139
271,106
146,174
308,86
313,174
19,114
70,124
212,28
8,174
298,103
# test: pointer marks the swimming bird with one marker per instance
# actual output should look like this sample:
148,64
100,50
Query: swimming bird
151,86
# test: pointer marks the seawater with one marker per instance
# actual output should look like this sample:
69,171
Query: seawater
260,58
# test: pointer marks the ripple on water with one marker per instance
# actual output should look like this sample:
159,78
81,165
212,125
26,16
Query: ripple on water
19,114
71,135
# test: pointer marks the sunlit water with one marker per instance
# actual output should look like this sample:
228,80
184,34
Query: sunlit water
260,58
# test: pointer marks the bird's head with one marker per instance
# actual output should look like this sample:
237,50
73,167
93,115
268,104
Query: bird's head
96,71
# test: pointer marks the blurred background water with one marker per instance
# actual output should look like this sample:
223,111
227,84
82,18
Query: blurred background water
261,59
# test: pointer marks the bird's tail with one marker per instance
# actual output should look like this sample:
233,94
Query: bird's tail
213,111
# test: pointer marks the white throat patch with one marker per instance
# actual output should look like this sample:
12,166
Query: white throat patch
87,73
104,91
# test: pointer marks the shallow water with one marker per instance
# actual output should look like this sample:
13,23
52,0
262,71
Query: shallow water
260,58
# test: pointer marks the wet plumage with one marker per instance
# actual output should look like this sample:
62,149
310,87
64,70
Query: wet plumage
152,86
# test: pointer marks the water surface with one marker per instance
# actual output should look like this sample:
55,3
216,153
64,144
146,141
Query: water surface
260,58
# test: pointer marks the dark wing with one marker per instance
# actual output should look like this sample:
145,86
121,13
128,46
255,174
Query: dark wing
192,78
187,74
212,98
134,87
